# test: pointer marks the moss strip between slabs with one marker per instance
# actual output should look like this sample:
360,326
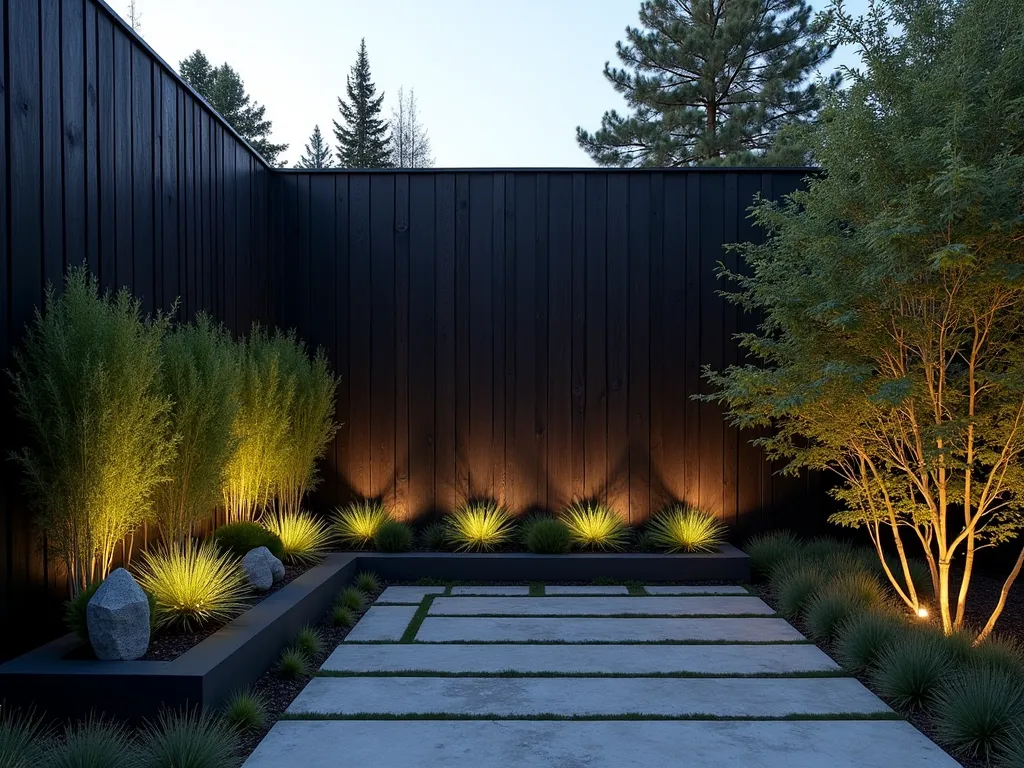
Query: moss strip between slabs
604,675
409,635
584,718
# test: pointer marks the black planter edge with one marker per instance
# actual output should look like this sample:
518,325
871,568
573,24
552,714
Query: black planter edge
239,653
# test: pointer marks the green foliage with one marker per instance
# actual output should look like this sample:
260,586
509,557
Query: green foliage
595,526
357,524
367,582
200,379
245,710
892,289
1011,750
294,663
862,638
260,429
712,85
480,526
1003,654
827,547
363,140
687,529
24,738
767,551
311,425
242,537
976,709
793,587
911,668
194,584
342,616
75,611
309,640
839,600
645,540
87,384
393,536
351,598
93,743
305,538
318,153
434,536
189,739
547,537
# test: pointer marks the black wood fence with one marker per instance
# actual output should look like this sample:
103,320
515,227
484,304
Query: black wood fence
532,336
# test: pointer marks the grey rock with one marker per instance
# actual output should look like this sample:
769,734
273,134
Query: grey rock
117,618
262,568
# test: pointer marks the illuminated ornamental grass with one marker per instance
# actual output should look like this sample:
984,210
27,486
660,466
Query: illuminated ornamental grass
357,524
595,526
479,526
193,585
687,529
305,538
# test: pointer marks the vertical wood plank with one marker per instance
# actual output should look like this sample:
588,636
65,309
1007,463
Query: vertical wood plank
480,321
92,170
402,381
463,416
559,347
53,146
595,431
361,303
445,484
342,350
422,319
141,178
498,321
527,485
540,346
382,361
617,320
658,385
638,387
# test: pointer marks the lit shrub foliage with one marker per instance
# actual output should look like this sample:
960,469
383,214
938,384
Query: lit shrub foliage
305,538
194,584
356,524
595,526
393,536
87,385
687,529
241,537
479,525
547,536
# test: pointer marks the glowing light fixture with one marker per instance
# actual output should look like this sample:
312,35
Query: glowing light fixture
922,613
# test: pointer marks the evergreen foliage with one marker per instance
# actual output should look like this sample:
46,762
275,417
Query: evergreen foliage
244,536
362,135
318,153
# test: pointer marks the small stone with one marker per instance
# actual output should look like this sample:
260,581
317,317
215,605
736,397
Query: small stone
262,568
117,618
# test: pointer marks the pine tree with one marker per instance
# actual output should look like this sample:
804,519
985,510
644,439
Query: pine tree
713,82
224,90
318,153
410,144
362,139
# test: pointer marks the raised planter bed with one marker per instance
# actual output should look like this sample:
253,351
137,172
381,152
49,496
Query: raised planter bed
237,654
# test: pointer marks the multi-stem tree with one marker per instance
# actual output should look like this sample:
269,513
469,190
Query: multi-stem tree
362,135
892,296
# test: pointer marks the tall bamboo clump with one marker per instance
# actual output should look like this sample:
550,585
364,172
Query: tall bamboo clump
260,429
201,378
87,383
311,420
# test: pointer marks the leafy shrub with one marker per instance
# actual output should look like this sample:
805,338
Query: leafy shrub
547,537
194,584
245,710
767,551
358,523
309,640
199,377
304,538
294,663
86,383
241,537
189,739
352,598
24,738
393,536
686,529
342,616
911,668
367,582
862,638
975,710
479,526
435,536
93,743
595,526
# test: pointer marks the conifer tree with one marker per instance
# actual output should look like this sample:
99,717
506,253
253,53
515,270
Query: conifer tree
318,152
713,82
363,140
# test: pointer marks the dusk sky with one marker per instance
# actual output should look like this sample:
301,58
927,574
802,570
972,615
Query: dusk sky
498,84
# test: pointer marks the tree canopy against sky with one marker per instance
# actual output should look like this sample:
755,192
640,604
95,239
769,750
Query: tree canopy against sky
362,136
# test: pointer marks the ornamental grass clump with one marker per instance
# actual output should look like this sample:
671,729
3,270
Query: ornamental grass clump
911,668
200,378
24,738
687,529
93,743
309,640
244,536
357,524
976,710
342,616
194,584
768,551
863,637
294,663
305,538
393,536
547,536
434,536
87,385
1002,653
595,526
245,710
479,526
793,585
351,598
189,739
367,582
839,600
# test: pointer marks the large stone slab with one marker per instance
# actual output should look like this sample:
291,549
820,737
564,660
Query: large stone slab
569,589
408,595
382,622
492,658
587,696
697,589
444,629
599,606
484,589
611,744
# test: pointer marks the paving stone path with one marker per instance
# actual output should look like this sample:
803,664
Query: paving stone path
599,676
